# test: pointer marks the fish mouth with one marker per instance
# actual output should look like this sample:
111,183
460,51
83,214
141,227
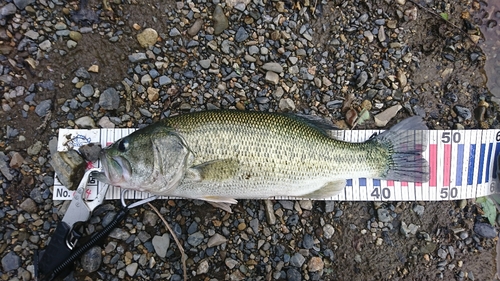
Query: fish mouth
116,170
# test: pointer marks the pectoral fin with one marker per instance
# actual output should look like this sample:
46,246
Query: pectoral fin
328,190
217,170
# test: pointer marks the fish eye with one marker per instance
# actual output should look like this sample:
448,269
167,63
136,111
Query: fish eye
123,145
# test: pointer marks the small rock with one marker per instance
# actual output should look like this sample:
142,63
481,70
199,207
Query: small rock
150,218
32,34
43,108
71,44
220,20
286,105
85,122
45,45
202,268
315,264
463,112
75,35
384,117
272,77
7,10
21,4
161,244
241,35
35,148
362,79
485,230
16,161
94,68
205,63
82,73
297,260
153,94
29,206
383,215
216,240
87,90
11,261
419,210
328,231
92,259
271,218
195,28
105,122
293,274
164,80
174,32
308,241
147,37
132,269
109,99
273,66
195,239
230,263
137,57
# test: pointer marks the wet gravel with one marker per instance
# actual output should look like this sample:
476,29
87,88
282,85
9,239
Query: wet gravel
114,64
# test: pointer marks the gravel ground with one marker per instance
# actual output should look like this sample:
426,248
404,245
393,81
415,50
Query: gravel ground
114,64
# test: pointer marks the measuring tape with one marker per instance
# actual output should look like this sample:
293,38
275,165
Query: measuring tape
462,163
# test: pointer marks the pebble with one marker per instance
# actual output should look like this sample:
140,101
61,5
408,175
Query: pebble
202,267
137,57
16,161
216,240
315,264
383,215
297,260
147,37
273,66
29,206
11,261
161,244
419,210
132,269
286,105
92,259
220,20
35,148
109,99
293,274
87,90
174,32
43,108
463,112
328,231
241,35
195,239
385,116
272,77
195,28
362,79
7,10
85,122
485,230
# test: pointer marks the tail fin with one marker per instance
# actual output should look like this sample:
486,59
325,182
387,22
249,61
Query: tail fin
406,142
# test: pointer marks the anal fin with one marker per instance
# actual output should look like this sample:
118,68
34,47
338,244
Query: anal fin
223,203
330,189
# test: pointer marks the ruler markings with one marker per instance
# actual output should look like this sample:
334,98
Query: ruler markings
461,168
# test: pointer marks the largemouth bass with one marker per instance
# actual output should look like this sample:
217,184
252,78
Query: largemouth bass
221,156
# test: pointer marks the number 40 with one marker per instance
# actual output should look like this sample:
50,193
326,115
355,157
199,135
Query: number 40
386,193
